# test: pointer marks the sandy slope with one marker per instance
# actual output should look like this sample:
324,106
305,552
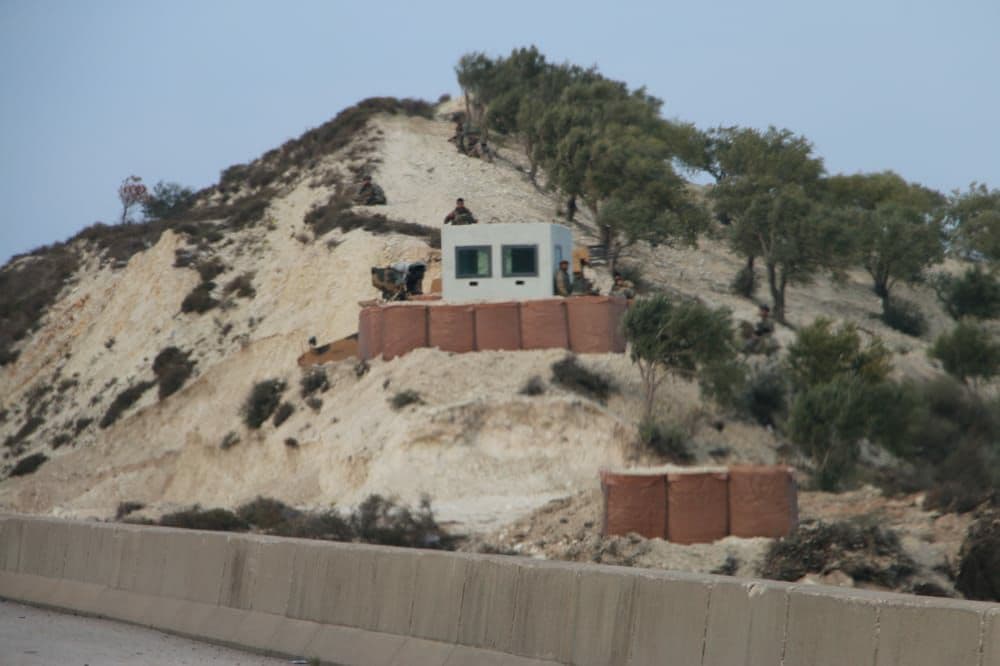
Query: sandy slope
484,453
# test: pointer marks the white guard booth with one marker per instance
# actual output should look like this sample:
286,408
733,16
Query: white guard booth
501,262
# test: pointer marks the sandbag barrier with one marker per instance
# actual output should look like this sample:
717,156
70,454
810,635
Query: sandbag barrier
701,506
583,324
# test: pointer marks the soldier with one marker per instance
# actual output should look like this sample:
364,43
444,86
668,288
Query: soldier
760,340
622,287
461,215
370,194
563,285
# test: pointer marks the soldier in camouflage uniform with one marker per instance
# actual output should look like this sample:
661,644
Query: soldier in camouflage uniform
370,194
461,214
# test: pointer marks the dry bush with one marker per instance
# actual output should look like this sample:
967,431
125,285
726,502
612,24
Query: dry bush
569,374
123,401
125,508
285,410
312,381
172,367
264,398
534,386
28,464
405,398
200,299
196,518
241,285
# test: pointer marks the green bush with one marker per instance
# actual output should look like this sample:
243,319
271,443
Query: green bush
264,398
725,383
968,351
172,367
266,513
312,381
668,440
285,410
534,386
200,300
975,294
765,397
241,285
744,283
209,269
168,201
405,398
196,518
904,316
571,375
821,354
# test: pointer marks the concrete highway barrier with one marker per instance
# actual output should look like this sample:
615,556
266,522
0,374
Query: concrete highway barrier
359,604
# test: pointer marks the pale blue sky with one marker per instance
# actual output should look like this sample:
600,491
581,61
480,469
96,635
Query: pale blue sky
95,90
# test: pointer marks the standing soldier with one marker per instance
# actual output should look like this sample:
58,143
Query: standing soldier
461,214
563,285
370,194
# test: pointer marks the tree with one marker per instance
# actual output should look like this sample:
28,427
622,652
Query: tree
675,337
167,200
821,354
132,192
767,190
897,224
973,218
976,293
968,352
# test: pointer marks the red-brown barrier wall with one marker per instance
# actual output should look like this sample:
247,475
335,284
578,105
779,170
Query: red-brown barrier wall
584,324
697,507
700,507
452,328
762,501
404,328
635,503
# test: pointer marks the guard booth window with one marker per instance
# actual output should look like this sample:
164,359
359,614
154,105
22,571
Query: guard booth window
473,261
520,260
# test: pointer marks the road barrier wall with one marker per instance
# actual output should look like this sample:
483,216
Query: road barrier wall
359,604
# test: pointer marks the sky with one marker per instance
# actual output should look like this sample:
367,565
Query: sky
92,91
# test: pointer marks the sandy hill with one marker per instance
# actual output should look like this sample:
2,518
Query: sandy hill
484,453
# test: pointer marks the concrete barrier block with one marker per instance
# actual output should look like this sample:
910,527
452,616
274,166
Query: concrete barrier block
11,529
437,596
166,613
488,604
219,623
236,589
349,646
27,587
273,579
344,579
257,630
83,551
391,591
194,565
746,623
604,615
43,549
293,637
544,604
463,655
74,595
670,615
820,621
123,605
308,571
991,637
419,652
927,632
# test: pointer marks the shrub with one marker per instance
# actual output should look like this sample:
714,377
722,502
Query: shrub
820,354
534,386
28,286
633,273
571,375
979,559
669,440
968,351
405,398
118,243
281,415
31,424
975,294
266,513
904,316
123,401
200,299
230,440
196,518
125,508
725,383
765,396
241,285
209,269
167,201
336,214
263,400
312,381
28,464
382,521
172,367
866,552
